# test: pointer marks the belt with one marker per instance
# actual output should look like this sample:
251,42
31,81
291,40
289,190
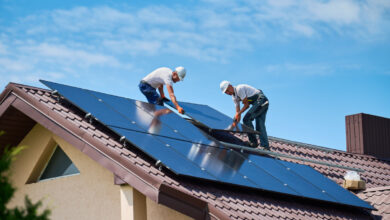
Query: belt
144,82
256,97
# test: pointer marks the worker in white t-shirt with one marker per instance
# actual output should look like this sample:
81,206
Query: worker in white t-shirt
156,80
249,95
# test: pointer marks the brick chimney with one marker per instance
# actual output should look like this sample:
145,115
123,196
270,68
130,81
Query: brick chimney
368,134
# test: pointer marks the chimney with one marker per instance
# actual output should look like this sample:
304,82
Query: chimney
368,134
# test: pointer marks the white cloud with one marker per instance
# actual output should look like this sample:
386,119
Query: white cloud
31,77
212,25
133,47
61,53
358,20
3,48
85,39
55,75
342,12
14,65
299,69
303,29
214,20
161,15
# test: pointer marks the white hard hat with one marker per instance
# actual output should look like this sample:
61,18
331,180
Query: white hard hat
224,85
181,72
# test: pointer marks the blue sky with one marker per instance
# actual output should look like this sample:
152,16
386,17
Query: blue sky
316,60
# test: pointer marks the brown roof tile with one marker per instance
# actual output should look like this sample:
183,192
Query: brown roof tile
379,197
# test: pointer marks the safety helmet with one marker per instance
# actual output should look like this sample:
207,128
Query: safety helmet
181,72
224,85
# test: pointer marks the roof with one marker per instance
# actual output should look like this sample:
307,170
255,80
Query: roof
380,198
195,198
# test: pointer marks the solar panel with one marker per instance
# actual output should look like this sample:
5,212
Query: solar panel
338,193
229,166
87,102
159,150
130,114
211,117
152,118
187,151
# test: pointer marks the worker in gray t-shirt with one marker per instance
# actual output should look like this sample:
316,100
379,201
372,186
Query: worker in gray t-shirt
249,96
156,80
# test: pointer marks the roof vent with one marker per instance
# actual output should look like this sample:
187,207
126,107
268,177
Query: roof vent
352,181
368,134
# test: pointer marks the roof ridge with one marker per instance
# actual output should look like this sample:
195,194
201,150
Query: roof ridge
303,144
322,148
13,85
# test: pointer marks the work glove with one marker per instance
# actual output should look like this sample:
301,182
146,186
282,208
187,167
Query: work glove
165,99
180,110
161,100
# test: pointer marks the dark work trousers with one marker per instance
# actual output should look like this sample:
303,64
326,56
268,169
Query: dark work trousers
257,113
150,93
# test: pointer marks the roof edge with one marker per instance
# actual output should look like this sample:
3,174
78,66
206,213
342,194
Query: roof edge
4,94
183,202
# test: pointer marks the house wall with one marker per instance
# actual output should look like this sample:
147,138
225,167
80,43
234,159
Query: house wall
157,211
91,194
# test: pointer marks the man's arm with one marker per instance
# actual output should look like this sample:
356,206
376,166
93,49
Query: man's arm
237,117
173,99
161,90
245,107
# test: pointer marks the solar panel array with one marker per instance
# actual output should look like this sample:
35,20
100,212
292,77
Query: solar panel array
186,150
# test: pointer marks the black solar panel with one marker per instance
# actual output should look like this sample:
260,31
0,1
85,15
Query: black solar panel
184,149
150,118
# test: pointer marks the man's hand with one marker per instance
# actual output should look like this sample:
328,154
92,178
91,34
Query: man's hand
234,124
180,110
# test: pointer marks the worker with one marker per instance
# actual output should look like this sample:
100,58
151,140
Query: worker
249,96
156,80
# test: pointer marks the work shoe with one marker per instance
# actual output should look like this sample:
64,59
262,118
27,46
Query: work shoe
265,148
251,144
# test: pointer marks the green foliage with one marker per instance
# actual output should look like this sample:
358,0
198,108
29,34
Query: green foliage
30,211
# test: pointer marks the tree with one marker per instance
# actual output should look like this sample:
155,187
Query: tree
30,211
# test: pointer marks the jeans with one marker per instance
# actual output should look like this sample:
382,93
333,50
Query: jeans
150,93
258,113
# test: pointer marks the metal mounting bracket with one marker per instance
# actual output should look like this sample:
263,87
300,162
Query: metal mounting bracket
123,141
